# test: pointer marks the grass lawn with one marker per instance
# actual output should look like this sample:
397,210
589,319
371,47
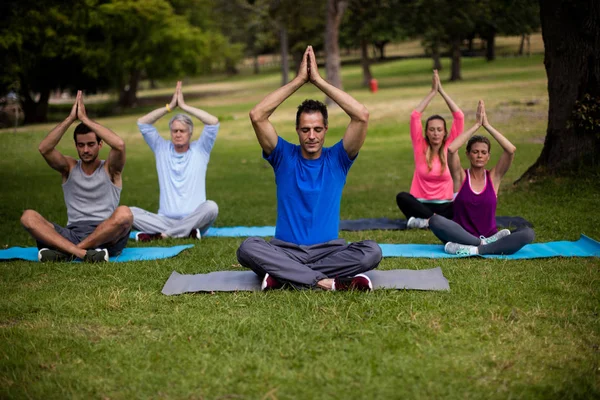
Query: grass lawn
507,329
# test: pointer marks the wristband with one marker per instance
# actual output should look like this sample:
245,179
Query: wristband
167,107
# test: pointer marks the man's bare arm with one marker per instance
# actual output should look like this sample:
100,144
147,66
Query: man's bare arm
265,131
356,132
116,156
55,159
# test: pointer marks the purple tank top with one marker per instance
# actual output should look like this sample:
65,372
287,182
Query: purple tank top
476,212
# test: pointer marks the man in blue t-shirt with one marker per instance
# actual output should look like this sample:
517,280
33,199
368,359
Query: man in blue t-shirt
181,164
306,250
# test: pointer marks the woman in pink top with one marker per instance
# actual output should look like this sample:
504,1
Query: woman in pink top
473,230
431,190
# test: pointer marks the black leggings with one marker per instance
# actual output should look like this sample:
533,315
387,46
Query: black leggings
411,207
449,231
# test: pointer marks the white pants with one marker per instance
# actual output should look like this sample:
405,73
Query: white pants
201,218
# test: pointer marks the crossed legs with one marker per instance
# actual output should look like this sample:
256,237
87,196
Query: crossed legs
109,231
201,218
449,231
308,266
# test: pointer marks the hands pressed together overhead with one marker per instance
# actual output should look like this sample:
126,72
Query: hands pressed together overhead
309,71
78,110
177,99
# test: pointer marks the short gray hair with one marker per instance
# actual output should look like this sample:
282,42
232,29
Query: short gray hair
184,118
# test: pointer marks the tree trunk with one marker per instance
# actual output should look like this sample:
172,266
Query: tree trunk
283,42
455,73
128,96
522,45
36,112
380,45
256,64
365,63
490,51
571,34
435,56
335,12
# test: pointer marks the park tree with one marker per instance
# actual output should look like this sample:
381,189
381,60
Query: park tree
571,34
506,17
44,50
147,38
333,63
243,23
443,23
371,22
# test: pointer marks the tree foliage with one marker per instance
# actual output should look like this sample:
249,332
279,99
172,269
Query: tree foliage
100,44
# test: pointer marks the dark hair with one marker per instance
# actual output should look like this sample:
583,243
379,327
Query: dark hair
441,151
83,129
478,139
311,106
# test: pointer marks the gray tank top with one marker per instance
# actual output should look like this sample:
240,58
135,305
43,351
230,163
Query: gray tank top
90,197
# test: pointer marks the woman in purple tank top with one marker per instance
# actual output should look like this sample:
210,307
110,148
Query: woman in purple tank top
473,228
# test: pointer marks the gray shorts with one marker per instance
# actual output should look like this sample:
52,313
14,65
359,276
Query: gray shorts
78,231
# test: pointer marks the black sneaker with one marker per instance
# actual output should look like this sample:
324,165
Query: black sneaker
195,234
49,255
97,255
359,282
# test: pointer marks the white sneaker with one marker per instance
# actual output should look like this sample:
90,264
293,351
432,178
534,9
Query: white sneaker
460,249
495,237
417,223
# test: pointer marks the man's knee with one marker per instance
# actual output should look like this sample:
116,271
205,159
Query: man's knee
248,248
123,217
29,217
372,254
212,208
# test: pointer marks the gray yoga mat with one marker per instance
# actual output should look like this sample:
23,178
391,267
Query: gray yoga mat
230,281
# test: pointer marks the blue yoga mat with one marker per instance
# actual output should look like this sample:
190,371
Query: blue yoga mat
584,247
232,231
128,254
345,225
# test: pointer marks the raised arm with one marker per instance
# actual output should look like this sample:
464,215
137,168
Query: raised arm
116,156
451,104
507,156
259,115
55,159
206,118
356,132
434,89
458,174
157,114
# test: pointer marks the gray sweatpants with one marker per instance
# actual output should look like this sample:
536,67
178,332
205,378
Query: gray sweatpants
449,231
303,266
201,218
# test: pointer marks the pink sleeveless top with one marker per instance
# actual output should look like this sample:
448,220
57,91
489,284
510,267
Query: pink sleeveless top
476,213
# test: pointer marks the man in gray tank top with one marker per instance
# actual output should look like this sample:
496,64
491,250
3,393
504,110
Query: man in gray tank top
97,226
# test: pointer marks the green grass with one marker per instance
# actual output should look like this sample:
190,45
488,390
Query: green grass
507,329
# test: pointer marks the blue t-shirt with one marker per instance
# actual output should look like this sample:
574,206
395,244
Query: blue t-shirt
309,192
181,176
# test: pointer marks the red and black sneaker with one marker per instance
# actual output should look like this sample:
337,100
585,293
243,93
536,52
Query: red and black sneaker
358,282
147,237
270,283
